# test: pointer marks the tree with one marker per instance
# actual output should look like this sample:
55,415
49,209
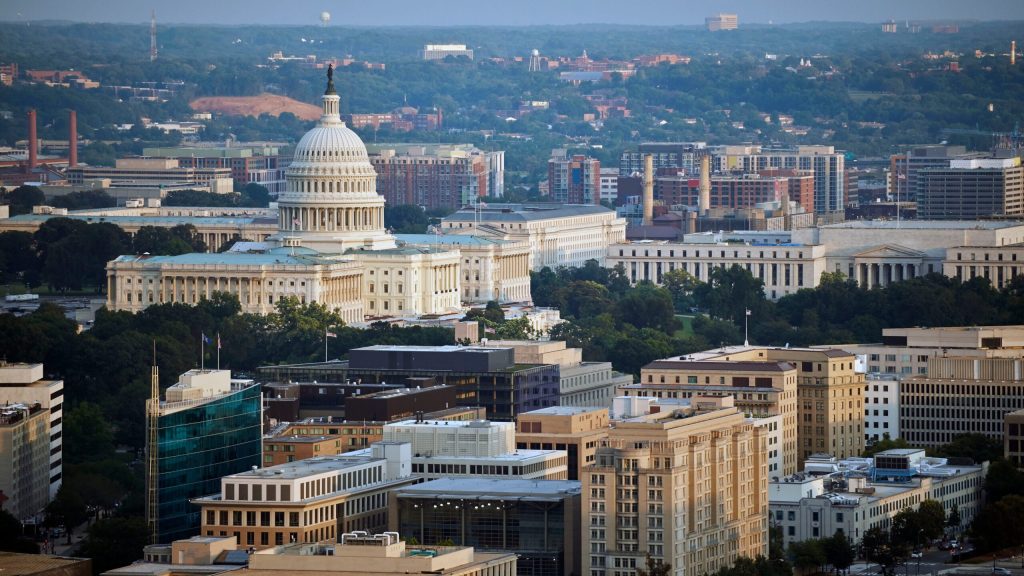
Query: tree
88,435
406,219
157,240
999,524
647,306
17,254
114,542
808,555
12,537
654,567
84,199
886,443
883,550
931,520
1003,479
23,198
839,551
681,285
954,520
977,447
67,509
255,195
906,528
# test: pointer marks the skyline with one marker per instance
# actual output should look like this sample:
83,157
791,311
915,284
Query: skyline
528,12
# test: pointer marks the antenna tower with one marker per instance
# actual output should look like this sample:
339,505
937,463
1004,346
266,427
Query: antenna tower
153,451
152,36
535,60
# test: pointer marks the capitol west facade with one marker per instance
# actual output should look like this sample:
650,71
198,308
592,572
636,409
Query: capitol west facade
331,247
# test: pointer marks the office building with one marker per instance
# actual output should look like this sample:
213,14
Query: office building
830,392
902,178
960,395
576,430
760,389
609,185
442,51
362,554
858,494
155,171
196,556
721,21
208,426
313,500
477,448
249,164
972,189
824,162
537,519
580,384
906,351
998,264
727,190
1013,437
558,234
688,487
437,175
26,384
574,178
881,407
666,157
24,459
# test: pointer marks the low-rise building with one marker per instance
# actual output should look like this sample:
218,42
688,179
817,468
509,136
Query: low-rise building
537,519
881,407
491,268
155,171
313,500
858,494
442,51
43,565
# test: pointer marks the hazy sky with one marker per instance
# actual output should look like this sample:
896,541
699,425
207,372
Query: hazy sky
512,12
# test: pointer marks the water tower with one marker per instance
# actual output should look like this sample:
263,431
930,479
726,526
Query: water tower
535,60
325,18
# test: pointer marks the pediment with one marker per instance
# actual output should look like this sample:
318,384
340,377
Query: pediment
890,251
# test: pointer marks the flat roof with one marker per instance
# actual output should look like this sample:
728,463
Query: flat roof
926,224
307,467
16,564
727,366
450,239
563,410
277,256
144,220
493,488
441,348
525,212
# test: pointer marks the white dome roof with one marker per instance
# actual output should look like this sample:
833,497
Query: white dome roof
330,142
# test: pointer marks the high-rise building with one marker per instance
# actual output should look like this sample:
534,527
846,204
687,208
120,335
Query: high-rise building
574,178
208,426
971,189
25,384
826,164
671,156
722,21
902,179
761,389
687,487
24,459
1013,437
437,175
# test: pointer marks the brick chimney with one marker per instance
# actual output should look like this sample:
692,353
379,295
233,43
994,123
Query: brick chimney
33,141
72,139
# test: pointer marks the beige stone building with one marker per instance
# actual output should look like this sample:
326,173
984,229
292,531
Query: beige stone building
578,431
960,395
760,389
686,486
313,500
26,384
558,234
331,247
1013,437
491,268
24,458
830,393
377,555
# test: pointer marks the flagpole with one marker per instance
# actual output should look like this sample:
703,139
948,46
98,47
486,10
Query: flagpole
202,351
325,344
218,350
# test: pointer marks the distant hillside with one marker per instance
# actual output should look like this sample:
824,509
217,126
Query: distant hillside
272,104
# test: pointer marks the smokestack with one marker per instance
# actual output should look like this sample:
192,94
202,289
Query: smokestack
648,198
33,141
72,139
704,198
1013,52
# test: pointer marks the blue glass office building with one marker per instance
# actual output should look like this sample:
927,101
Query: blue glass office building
202,437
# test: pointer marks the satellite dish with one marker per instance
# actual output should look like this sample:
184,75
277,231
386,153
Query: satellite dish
325,17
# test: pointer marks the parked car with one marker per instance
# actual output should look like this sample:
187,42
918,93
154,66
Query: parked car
999,571
917,554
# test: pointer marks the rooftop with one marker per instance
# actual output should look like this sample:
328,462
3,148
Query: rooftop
712,366
563,410
279,256
303,468
925,224
493,488
15,564
450,239
525,212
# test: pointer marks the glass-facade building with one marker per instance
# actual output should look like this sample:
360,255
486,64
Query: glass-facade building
536,519
198,442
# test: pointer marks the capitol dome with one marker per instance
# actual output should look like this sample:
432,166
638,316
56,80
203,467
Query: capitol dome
331,191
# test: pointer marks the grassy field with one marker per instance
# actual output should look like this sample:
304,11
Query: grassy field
687,326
